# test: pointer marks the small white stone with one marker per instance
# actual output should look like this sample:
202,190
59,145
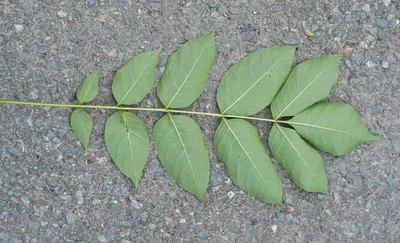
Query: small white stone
19,28
231,194
366,7
370,64
385,64
182,221
386,2
62,14
274,228
135,203
112,53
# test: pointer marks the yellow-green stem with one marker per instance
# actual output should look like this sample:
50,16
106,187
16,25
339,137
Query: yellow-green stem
17,102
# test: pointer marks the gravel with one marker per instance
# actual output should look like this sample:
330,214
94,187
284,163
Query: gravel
53,190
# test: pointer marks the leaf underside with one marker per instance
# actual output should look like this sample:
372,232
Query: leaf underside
89,87
127,141
332,127
251,84
309,82
303,164
134,80
186,73
239,148
82,125
181,149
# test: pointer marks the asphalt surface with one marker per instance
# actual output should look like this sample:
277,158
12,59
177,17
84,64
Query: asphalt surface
52,190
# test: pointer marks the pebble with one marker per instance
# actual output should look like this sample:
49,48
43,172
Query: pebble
381,23
79,197
231,194
152,226
144,216
390,180
51,182
274,228
125,224
182,221
19,28
366,7
112,53
386,2
203,233
133,44
14,152
135,203
385,64
33,225
70,217
162,70
62,14
370,64
396,145
337,197
101,238
20,96
126,241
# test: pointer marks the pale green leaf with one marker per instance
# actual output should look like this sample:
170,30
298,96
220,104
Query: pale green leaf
303,164
309,82
186,73
134,80
89,87
181,149
252,83
238,146
82,125
127,141
332,127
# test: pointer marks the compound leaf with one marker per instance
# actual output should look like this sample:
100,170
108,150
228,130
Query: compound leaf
186,73
332,127
181,149
127,141
252,83
134,80
303,164
238,146
89,87
308,83
82,125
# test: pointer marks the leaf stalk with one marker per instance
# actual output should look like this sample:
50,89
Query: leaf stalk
43,104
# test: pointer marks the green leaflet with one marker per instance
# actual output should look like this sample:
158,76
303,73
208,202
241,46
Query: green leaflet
180,147
238,146
308,83
303,163
186,73
251,84
134,80
332,127
89,87
127,142
82,125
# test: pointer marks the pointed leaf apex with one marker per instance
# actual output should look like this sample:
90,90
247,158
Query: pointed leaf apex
159,49
373,138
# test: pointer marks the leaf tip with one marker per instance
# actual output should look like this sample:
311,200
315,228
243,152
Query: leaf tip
160,48
374,138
